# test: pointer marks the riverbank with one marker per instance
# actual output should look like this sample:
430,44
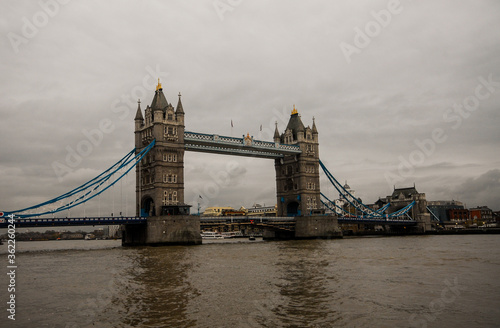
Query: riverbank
475,231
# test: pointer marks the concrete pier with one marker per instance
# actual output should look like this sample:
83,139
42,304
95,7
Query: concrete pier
163,231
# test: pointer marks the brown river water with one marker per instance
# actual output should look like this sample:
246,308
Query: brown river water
412,281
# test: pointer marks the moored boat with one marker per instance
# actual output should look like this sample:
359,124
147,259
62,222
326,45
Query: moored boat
231,234
211,235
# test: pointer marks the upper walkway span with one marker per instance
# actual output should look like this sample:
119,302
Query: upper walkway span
245,146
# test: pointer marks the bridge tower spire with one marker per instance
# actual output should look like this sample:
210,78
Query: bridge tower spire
160,175
297,176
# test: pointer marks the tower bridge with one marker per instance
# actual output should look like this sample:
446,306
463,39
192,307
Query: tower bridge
160,175
162,216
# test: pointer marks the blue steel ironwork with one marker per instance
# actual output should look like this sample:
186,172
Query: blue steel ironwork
331,209
97,182
383,208
373,215
398,213
357,204
214,143
373,220
343,192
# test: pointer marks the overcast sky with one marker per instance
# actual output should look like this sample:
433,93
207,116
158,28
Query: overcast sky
402,93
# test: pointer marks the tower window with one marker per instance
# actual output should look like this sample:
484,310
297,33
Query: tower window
169,157
170,178
170,130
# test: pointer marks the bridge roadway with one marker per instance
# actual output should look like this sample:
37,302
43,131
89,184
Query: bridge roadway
54,222
387,221
279,222
284,223
289,221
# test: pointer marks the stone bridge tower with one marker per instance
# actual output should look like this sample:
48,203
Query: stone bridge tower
297,176
160,174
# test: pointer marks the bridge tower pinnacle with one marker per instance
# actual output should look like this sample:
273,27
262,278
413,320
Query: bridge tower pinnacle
297,176
160,174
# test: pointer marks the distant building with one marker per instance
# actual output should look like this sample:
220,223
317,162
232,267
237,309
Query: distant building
381,202
496,216
458,214
259,210
256,210
481,213
216,210
440,209
402,197
343,203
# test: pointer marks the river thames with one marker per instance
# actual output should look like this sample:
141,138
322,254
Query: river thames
412,281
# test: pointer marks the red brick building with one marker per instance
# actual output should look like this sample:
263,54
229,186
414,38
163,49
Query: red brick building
458,214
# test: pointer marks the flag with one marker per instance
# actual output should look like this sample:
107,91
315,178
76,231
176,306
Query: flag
231,123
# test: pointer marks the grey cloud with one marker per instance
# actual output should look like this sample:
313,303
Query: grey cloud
482,190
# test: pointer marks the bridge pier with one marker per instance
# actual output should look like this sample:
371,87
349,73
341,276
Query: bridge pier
274,234
317,226
163,230
307,227
424,223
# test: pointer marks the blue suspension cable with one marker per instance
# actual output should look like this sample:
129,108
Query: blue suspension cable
99,180
366,210
77,189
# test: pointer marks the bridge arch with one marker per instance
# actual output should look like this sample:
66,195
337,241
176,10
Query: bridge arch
292,209
147,206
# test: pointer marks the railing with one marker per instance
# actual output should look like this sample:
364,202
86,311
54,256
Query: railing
247,218
391,220
242,151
